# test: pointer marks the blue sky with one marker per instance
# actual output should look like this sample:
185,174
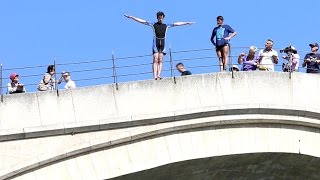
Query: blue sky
33,32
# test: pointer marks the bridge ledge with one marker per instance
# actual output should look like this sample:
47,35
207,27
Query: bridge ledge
221,113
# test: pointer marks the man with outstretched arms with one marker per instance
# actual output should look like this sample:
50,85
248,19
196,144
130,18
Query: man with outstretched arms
159,35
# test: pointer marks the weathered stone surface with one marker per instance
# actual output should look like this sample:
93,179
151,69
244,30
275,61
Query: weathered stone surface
148,124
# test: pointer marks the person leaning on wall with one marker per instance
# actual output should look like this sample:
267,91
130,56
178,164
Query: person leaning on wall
312,59
182,69
65,76
15,86
45,84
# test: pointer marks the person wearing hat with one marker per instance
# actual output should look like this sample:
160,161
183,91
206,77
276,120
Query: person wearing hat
234,68
15,86
65,76
159,36
312,60
292,59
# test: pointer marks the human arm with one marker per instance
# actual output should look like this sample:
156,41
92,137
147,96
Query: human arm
231,36
306,60
295,59
240,58
260,56
285,57
182,23
317,59
274,57
42,86
11,89
212,37
60,80
142,21
230,30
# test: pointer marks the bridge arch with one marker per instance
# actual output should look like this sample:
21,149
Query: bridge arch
178,142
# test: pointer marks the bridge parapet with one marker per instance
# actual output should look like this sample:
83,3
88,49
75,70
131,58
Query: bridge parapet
273,114
153,97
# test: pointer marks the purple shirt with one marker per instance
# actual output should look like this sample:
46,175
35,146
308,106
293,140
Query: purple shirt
249,65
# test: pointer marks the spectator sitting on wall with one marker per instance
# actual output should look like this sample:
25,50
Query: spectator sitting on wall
45,84
268,57
250,60
292,59
65,76
312,60
15,86
180,67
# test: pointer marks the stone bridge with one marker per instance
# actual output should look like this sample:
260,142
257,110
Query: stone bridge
255,125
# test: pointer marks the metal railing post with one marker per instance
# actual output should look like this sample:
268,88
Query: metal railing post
171,66
55,76
230,62
1,78
115,79
290,67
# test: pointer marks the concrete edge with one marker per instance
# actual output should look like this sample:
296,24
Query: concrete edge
152,119
34,165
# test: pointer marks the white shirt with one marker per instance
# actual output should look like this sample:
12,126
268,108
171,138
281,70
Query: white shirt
267,60
70,84
13,88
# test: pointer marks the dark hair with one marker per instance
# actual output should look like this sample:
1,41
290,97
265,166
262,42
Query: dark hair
179,64
160,13
270,40
50,68
220,18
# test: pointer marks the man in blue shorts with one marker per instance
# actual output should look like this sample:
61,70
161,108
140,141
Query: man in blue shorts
222,35
159,32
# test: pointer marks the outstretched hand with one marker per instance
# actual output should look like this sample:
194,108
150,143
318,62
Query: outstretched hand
127,16
190,23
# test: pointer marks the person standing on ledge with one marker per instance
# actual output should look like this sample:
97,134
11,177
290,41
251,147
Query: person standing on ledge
159,31
222,35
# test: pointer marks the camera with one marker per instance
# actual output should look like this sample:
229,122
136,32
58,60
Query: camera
289,49
282,51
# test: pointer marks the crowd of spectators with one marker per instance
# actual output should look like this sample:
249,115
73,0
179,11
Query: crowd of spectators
48,83
264,60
